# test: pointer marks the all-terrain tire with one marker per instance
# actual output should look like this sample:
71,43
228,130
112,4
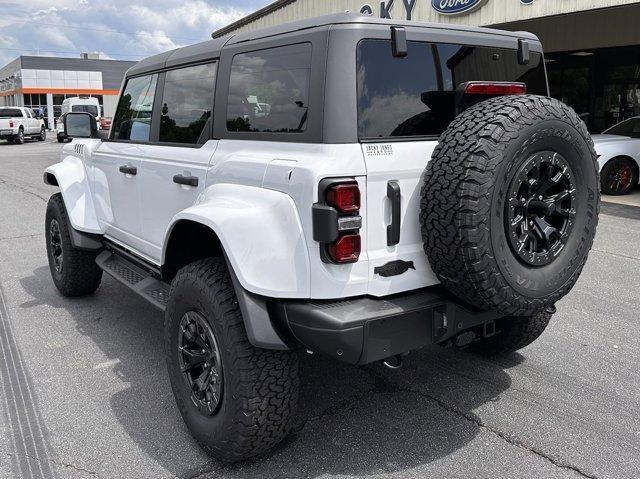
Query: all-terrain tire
260,387
79,274
512,333
466,198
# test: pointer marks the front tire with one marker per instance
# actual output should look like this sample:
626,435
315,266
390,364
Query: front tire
43,134
74,272
237,400
512,333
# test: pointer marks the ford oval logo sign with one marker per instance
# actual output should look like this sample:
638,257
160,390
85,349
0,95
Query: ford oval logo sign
456,7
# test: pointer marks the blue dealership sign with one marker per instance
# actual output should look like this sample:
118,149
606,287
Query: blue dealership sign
456,7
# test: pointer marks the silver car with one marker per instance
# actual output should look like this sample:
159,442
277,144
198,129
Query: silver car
618,150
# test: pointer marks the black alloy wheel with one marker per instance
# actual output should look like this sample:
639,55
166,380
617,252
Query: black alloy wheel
199,359
540,211
55,242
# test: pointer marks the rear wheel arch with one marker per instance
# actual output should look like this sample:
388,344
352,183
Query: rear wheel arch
188,241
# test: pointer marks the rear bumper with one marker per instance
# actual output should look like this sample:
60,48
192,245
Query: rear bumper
368,329
7,134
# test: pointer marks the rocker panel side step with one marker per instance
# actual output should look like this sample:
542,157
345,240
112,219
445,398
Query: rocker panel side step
134,277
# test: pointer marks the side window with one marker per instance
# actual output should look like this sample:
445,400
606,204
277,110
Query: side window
187,101
269,90
132,120
397,96
28,113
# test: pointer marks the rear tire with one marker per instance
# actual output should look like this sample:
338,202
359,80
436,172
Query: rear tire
619,176
512,333
74,272
19,138
247,405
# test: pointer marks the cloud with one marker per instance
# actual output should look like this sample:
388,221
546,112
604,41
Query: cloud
153,42
122,29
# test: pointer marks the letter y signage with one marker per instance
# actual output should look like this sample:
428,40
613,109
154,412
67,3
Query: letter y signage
386,6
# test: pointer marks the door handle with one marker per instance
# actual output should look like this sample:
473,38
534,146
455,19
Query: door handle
393,230
186,180
128,170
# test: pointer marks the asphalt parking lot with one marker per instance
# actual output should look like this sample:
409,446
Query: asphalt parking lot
85,393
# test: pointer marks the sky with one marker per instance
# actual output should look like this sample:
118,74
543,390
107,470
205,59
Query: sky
117,29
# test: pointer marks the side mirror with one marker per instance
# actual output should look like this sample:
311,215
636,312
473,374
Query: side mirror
80,125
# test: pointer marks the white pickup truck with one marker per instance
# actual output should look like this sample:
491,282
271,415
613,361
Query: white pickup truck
17,123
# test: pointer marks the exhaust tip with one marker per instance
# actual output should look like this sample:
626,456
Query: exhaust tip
393,362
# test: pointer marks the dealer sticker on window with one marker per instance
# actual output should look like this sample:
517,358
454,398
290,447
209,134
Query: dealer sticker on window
378,150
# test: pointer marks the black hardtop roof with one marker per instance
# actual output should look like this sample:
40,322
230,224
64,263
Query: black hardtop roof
212,48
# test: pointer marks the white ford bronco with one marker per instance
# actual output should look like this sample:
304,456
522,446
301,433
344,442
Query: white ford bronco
346,185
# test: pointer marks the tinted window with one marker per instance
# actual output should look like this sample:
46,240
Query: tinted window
85,109
132,120
10,113
415,95
269,90
630,127
187,102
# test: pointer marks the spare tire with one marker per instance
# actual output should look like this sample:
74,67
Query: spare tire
510,204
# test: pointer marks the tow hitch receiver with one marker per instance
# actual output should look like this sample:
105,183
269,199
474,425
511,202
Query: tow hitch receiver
488,329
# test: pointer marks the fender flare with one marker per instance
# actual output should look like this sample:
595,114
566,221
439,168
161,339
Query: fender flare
261,235
71,177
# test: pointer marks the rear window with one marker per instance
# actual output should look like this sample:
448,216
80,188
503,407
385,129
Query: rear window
10,113
415,95
269,90
92,109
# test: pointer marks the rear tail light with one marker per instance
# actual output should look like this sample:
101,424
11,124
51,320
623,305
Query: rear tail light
346,249
495,88
10,123
345,197
336,222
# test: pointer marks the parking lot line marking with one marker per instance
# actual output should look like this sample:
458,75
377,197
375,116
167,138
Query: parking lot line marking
28,436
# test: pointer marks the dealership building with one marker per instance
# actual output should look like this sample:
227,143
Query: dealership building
38,81
592,46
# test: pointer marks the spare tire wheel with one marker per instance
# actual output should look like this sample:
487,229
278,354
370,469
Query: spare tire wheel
510,203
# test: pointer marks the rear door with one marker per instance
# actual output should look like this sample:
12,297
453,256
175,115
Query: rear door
404,104
32,125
